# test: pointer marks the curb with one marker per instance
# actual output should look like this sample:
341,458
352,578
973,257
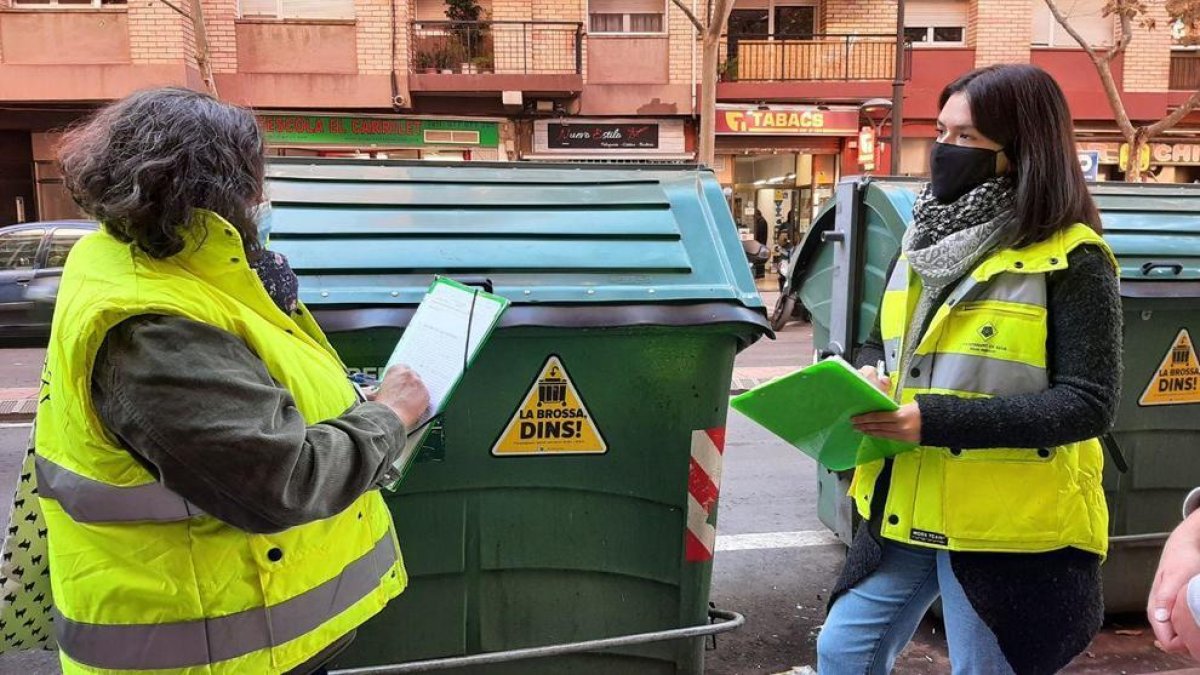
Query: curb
18,404
17,409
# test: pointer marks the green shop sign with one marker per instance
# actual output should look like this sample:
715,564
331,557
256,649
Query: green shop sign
381,131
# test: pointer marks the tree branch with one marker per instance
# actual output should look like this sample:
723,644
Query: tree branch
720,16
1062,21
1174,118
691,17
1103,65
1114,98
1123,41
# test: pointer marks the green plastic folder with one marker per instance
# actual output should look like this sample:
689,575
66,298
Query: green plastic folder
812,408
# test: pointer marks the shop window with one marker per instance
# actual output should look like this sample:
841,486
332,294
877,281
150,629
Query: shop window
297,9
67,4
626,16
1085,16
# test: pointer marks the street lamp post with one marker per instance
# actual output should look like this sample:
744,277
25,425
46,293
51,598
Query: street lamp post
876,111
898,89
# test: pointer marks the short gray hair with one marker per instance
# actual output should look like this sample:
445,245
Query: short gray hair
144,164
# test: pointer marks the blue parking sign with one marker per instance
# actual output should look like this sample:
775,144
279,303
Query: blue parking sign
1090,163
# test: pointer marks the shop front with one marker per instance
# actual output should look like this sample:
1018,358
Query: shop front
779,165
385,137
610,140
1173,162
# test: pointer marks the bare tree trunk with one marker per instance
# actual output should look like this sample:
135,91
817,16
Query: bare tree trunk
707,152
203,57
1133,170
708,100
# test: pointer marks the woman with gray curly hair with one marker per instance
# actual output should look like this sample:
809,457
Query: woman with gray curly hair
207,472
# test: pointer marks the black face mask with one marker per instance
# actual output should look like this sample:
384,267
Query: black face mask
958,169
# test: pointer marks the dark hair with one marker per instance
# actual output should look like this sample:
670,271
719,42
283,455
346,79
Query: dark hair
145,163
1022,108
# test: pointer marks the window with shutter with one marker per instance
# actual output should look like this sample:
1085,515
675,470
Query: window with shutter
67,4
626,16
297,9
936,22
1085,16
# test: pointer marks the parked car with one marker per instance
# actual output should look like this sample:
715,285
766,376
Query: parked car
32,256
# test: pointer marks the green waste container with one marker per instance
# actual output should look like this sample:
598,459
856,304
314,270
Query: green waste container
1154,230
630,288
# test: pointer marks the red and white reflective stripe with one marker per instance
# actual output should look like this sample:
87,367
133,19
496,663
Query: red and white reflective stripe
704,485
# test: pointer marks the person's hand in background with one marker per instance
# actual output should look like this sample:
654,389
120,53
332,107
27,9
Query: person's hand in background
1180,562
1184,623
403,391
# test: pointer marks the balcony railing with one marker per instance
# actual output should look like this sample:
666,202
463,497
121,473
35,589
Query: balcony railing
847,58
1185,70
496,47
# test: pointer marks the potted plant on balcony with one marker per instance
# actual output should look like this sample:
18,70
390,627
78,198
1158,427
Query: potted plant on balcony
729,72
466,29
425,61
484,64
449,57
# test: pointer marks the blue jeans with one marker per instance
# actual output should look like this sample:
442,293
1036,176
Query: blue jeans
870,625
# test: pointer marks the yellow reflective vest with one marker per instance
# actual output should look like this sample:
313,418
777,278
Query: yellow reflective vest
988,338
142,579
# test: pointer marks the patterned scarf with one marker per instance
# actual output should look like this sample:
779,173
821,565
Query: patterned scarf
946,241
277,278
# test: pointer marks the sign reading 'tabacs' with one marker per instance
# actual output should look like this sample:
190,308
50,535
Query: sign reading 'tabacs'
791,121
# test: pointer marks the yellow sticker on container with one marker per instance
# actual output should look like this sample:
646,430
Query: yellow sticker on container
1177,380
551,420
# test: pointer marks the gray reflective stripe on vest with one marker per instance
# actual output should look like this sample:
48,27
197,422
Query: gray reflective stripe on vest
197,643
89,501
984,375
1028,289
891,354
899,279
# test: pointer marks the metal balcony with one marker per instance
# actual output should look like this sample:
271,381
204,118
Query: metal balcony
814,58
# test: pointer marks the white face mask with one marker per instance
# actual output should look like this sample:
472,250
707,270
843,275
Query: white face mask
261,213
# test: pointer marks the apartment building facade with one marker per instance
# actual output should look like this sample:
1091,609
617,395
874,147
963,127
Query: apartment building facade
575,80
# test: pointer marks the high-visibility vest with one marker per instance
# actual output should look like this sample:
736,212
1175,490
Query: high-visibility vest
988,338
142,579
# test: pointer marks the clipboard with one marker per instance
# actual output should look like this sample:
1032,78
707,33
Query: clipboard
446,334
811,409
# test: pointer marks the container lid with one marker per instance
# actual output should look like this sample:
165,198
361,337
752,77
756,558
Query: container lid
1154,230
373,233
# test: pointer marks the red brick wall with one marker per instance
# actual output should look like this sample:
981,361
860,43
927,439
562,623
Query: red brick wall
1148,57
157,34
1000,31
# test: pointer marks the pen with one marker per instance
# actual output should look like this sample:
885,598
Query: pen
881,369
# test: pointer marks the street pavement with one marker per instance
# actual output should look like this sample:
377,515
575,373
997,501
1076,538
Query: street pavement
775,562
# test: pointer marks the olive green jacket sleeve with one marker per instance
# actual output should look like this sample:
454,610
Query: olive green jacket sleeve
198,408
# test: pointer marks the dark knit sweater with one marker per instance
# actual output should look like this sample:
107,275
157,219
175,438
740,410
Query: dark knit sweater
1046,607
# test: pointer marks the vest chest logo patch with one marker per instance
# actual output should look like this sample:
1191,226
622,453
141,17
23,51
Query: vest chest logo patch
987,331
1176,381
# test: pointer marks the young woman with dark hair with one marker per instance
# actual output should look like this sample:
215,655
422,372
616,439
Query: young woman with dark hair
1001,330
